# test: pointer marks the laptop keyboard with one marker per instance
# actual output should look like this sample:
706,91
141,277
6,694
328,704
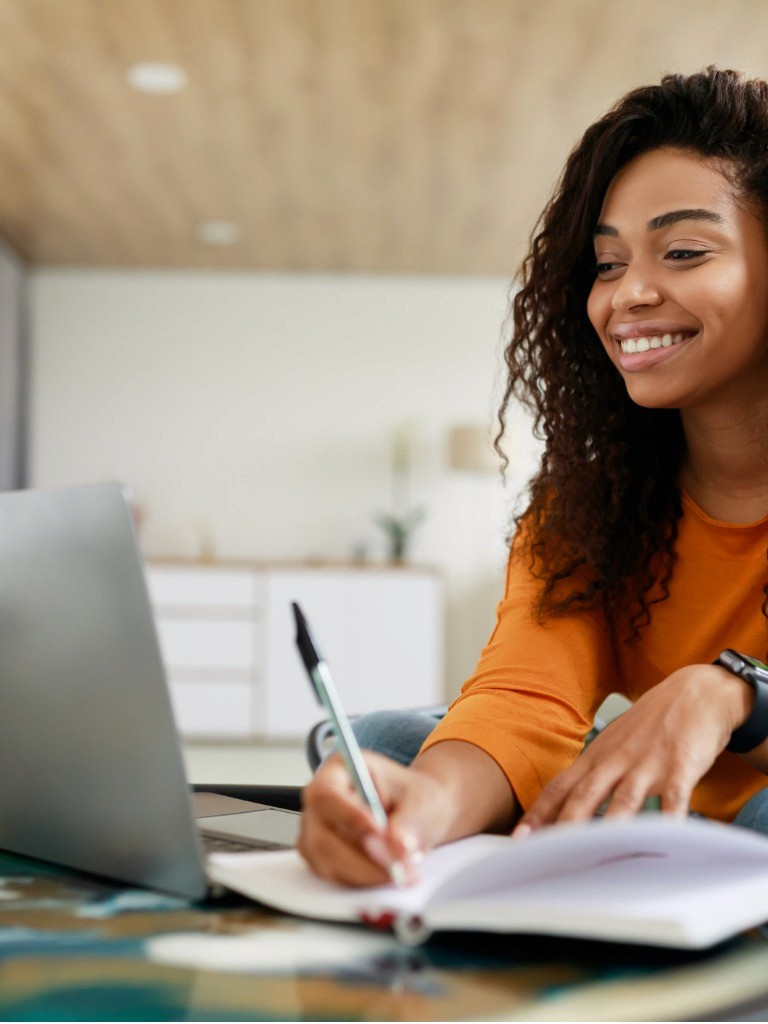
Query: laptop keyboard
219,844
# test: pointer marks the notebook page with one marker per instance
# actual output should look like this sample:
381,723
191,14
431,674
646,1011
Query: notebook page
570,850
283,880
650,899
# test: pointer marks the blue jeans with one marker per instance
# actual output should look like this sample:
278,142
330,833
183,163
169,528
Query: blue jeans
396,734
400,734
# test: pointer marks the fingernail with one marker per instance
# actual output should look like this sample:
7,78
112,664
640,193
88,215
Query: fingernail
399,874
377,850
522,830
410,842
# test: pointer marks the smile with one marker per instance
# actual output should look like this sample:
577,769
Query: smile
632,345
653,341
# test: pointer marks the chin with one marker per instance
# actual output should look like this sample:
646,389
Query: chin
648,399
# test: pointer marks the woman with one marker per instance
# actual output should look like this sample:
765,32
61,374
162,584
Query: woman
640,343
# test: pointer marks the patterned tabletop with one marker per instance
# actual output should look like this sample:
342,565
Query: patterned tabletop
76,948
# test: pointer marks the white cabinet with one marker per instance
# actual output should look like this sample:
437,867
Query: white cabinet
227,637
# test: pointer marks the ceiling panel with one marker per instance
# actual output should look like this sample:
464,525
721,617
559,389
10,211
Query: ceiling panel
405,136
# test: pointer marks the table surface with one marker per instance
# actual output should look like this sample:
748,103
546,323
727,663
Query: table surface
77,948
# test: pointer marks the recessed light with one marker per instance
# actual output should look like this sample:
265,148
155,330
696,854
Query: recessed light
218,232
155,77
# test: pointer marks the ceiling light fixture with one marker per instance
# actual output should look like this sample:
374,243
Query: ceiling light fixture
218,232
155,77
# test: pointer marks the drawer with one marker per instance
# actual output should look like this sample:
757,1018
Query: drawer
190,644
201,588
212,709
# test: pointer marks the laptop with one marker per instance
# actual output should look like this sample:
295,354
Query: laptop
91,771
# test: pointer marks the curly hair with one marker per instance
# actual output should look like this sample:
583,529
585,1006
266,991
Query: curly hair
602,521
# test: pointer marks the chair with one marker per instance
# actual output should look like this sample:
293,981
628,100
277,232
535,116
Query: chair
320,741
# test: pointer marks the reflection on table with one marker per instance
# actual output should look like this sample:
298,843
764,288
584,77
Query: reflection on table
76,948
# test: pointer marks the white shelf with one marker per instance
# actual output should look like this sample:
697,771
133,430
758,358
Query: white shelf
227,638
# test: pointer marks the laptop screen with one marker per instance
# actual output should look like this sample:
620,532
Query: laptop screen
92,771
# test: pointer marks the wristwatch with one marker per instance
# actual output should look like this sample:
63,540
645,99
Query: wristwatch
755,729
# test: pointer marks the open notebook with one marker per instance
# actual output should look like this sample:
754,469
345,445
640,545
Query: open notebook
653,880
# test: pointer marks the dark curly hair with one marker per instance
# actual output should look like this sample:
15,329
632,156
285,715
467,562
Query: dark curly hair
604,506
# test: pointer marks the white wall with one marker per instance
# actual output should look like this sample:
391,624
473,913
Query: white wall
255,412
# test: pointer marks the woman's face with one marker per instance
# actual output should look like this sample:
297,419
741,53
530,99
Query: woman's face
680,299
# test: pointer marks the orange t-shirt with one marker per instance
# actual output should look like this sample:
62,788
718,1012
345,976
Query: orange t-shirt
537,686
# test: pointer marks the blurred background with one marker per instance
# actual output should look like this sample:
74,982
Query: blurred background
255,258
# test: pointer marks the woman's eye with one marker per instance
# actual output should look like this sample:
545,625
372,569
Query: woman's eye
684,255
606,268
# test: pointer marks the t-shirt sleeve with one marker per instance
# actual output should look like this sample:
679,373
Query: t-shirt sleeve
533,696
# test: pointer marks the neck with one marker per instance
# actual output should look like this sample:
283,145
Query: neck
725,469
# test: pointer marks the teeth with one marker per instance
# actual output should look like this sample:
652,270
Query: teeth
632,345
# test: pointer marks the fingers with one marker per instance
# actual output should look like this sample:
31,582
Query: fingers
571,786
337,858
339,837
578,794
676,795
630,794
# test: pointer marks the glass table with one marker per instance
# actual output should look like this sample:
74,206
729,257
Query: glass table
73,947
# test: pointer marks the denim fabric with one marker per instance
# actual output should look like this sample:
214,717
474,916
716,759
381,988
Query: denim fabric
754,813
396,734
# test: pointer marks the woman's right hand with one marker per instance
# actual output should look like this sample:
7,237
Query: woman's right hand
453,789
339,838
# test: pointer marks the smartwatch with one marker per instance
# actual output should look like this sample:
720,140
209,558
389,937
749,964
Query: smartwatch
755,729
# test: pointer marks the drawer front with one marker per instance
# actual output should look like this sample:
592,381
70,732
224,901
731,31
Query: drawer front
382,636
201,588
206,644
212,709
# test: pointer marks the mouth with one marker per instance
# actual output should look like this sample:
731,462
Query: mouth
629,346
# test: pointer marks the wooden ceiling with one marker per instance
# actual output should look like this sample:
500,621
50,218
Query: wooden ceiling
416,136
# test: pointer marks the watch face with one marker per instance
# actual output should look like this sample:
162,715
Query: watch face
755,663
761,669
743,665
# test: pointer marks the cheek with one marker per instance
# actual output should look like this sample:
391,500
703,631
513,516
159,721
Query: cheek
735,301
598,312
598,308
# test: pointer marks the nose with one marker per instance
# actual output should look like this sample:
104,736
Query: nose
637,286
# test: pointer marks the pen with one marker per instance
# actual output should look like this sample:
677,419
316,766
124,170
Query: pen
326,693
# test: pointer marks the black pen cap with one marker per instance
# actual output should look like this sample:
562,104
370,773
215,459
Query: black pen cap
308,650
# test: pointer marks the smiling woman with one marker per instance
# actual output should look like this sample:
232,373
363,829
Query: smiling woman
680,298
640,342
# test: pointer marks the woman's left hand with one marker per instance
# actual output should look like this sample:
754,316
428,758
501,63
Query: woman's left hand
660,747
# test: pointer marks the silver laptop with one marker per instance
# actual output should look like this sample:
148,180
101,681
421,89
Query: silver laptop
91,772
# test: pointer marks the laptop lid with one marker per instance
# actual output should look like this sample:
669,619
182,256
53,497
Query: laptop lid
90,763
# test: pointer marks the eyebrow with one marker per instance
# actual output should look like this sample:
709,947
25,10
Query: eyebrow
665,220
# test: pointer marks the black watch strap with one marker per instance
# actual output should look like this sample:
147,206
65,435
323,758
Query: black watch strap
755,729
